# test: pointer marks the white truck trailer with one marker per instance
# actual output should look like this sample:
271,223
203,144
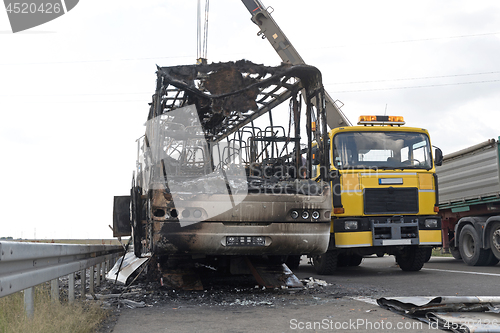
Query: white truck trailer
469,203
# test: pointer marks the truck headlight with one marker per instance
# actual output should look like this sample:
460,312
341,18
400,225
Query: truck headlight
351,225
431,223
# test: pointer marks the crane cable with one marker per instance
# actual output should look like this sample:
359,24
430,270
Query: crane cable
202,37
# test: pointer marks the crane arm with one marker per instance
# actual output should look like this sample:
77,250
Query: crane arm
269,29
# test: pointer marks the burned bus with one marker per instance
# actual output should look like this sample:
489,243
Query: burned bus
228,165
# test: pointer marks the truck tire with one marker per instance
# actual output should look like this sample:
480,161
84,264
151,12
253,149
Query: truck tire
492,260
470,251
428,254
326,263
349,260
455,252
412,259
343,260
355,260
494,238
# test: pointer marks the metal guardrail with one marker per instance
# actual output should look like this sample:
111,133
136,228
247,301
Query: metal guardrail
25,265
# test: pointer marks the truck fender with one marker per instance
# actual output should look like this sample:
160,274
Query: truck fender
487,230
477,222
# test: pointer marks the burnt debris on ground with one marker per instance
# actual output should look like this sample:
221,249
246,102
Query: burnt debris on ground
219,291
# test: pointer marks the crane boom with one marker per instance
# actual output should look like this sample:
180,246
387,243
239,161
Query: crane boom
269,29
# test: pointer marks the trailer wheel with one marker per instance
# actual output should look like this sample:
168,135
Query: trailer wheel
455,252
326,263
470,251
495,239
412,259
492,260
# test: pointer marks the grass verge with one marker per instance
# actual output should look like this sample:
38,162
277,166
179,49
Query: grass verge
438,252
49,317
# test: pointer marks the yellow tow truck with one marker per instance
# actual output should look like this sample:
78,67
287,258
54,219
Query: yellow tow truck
384,192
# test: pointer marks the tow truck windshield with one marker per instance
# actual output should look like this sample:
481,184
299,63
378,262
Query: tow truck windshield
381,150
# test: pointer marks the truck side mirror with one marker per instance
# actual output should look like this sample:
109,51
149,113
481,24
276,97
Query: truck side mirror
438,157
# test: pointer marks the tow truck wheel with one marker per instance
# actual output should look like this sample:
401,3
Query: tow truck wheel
411,259
472,254
428,254
495,239
355,260
349,260
343,260
326,263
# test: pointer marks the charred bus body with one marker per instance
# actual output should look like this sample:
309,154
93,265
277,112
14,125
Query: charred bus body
222,172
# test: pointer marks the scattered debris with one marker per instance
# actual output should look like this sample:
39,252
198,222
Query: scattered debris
459,313
313,283
132,304
108,296
126,266
252,303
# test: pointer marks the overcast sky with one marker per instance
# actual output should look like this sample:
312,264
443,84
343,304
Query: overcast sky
74,91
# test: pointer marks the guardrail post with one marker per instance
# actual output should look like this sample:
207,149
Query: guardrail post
71,288
54,290
91,275
29,302
104,271
98,274
83,275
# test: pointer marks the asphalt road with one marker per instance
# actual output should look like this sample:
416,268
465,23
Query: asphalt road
441,276
347,306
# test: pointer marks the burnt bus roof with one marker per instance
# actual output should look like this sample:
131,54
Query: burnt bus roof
230,95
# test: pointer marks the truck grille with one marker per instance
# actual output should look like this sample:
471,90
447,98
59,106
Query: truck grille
391,200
